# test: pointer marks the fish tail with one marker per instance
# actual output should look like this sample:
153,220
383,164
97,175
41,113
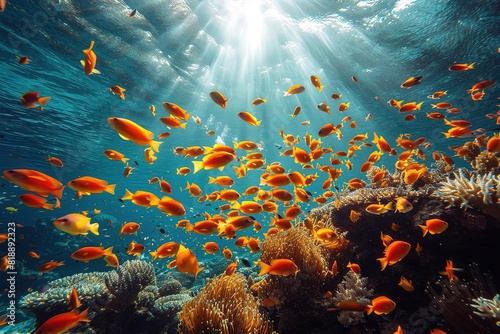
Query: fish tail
389,206
264,268
198,270
90,47
369,309
108,251
208,149
189,227
154,201
110,188
83,316
320,88
257,123
94,228
187,116
424,229
211,180
128,195
153,254
198,165
124,160
155,145
419,105
48,206
236,205
471,66
58,192
43,100
383,264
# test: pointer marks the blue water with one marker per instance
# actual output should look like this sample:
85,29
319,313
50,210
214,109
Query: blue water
180,51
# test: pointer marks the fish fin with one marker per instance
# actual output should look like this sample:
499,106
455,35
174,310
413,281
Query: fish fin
128,195
198,165
264,268
83,316
320,88
189,227
424,229
155,145
198,270
369,309
94,228
110,188
43,100
123,137
96,71
82,62
383,262
124,160
108,251
153,254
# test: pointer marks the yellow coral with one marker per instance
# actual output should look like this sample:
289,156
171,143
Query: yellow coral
223,306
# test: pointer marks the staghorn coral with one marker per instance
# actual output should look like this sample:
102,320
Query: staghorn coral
90,286
223,306
459,302
352,288
128,280
475,191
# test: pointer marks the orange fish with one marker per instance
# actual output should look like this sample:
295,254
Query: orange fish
33,201
115,155
219,98
75,224
324,107
449,271
381,305
48,266
402,205
112,260
90,61
172,122
316,82
129,130
279,267
406,284
249,118
34,255
258,101
90,185
86,254
187,262
176,111
129,228
171,206
411,82
211,247
55,161
481,85
31,99
23,60
35,181
117,90
63,322
336,96
378,209
214,160
394,253
135,248
226,252
167,249
141,198
410,106
461,67
295,89
343,106
203,227
434,226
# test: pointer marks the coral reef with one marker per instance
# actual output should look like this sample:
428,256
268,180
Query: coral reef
468,307
124,300
128,280
474,191
352,288
223,306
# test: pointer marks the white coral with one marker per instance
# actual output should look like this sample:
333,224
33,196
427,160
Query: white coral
465,190
487,308
352,288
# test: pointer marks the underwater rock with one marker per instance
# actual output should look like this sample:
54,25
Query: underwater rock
169,306
170,287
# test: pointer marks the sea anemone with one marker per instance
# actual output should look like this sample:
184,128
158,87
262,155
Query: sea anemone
223,306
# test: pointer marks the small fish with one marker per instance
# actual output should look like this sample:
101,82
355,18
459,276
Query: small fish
411,82
219,98
132,13
117,90
295,89
461,67
23,60
316,82
31,99
245,262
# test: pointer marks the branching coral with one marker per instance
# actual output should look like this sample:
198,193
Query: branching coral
223,306
352,288
479,191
